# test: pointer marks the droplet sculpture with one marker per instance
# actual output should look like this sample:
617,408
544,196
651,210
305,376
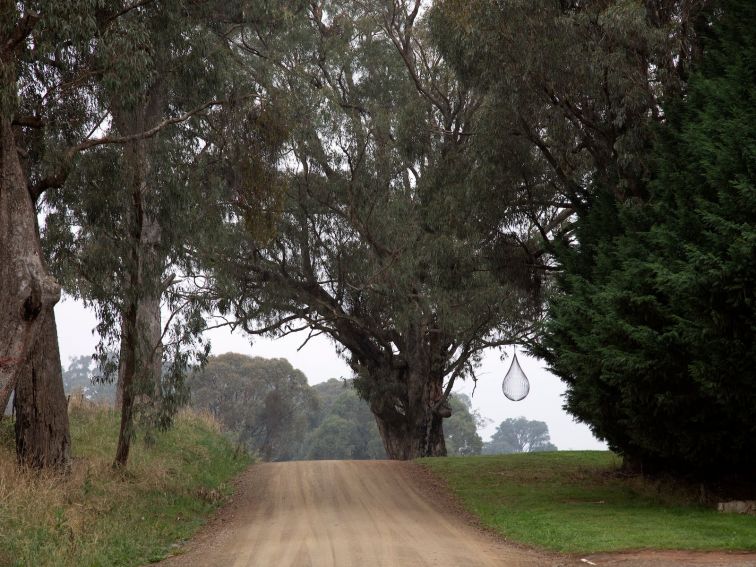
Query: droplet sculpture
515,385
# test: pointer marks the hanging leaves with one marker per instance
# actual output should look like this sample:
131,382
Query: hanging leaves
515,385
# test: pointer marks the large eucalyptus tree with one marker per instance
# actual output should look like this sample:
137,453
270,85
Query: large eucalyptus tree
375,237
53,71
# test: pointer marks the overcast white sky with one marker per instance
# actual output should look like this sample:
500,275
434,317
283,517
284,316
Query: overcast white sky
319,362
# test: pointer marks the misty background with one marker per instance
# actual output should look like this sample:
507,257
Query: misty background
319,362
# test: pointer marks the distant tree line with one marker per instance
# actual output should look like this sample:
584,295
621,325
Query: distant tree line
268,407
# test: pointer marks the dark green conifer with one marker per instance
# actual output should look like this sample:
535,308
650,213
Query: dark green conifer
654,329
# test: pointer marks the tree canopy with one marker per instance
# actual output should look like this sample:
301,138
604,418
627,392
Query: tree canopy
519,435
380,241
416,181
346,428
461,429
266,403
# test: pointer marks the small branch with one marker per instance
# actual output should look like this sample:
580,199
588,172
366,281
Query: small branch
310,335
559,219
268,328
94,142
127,9
167,326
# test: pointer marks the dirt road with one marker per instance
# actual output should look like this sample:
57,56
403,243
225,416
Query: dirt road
345,514
370,514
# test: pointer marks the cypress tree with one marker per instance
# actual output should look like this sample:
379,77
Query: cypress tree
654,329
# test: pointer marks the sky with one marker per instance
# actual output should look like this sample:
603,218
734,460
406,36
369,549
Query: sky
319,362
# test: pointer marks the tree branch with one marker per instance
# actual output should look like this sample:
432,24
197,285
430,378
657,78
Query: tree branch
58,178
30,121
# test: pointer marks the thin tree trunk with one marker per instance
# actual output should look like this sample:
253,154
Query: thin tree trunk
140,367
42,433
127,371
148,345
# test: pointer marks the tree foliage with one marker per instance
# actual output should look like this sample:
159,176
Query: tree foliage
404,178
346,428
654,330
571,90
43,113
120,228
83,377
651,305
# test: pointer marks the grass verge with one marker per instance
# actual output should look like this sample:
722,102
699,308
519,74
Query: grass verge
574,501
99,517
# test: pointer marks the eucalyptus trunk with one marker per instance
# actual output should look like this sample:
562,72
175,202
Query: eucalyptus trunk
147,341
412,437
29,356
140,365
127,370
27,291
42,431
409,402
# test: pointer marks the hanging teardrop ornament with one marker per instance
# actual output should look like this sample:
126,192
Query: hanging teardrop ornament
515,385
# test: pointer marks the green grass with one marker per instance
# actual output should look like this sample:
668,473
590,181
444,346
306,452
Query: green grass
576,502
99,517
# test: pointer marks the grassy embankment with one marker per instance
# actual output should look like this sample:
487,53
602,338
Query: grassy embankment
576,502
96,516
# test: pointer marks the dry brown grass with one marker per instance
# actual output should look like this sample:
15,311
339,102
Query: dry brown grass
95,515
45,499
203,416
